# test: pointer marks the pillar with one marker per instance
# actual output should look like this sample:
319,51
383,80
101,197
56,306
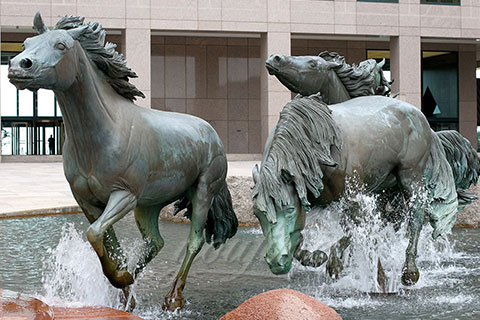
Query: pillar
406,68
274,95
138,55
467,93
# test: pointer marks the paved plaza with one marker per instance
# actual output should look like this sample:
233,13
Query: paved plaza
42,186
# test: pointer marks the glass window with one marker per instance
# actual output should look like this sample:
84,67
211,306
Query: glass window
453,2
6,134
25,103
379,55
440,89
45,103
391,1
8,94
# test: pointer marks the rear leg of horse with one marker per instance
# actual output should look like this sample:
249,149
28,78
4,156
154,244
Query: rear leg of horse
147,223
106,245
208,185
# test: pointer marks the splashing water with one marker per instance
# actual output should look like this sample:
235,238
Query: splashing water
371,239
72,275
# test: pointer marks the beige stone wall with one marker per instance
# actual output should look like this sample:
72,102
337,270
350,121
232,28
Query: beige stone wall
215,78
406,24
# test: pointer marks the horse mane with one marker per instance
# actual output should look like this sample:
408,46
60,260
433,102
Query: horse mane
111,63
302,141
363,80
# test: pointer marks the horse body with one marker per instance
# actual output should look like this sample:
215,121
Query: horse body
390,121
316,149
120,157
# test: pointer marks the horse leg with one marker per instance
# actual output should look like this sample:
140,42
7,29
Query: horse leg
114,259
208,185
335,259
119,204
410,179
200,206
147,223
308,258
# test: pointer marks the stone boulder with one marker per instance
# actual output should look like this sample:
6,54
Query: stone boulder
282,304
15,305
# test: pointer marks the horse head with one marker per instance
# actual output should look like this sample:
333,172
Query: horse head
281,223
46,60
305,75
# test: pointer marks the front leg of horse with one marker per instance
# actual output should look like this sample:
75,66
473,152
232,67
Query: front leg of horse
308,258
410,274
335,260
106,247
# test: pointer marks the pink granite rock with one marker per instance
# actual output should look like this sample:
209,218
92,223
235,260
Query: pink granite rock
15,305
282,304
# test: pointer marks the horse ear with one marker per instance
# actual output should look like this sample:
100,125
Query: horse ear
256,174
77,32
286,176
38,23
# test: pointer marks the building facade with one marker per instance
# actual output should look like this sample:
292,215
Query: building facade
206,58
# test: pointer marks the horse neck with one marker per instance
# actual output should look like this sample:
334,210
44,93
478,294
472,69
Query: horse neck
336,91
87,107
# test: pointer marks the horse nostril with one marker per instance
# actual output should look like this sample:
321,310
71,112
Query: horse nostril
283,260
26,63
277,58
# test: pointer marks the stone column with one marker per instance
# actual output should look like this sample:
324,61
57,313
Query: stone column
406,68
138,54
467,93
274,95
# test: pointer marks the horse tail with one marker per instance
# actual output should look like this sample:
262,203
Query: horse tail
462,157
222,222
441,189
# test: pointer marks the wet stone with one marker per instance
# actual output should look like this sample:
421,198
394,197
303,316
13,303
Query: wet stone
15,305
19,306
282,304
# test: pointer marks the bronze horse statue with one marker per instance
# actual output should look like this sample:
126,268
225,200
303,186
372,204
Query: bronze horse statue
329,74
120,157
384,143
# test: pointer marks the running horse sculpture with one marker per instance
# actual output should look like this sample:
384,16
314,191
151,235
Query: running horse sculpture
384,143
120,157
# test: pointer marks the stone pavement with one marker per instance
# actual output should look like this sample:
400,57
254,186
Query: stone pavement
39,186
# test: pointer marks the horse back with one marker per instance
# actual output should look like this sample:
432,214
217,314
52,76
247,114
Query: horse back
380,136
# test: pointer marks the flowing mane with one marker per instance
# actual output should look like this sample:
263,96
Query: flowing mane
111,63
363,80
301,143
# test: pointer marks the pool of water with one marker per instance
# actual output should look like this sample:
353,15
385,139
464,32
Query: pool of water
49,257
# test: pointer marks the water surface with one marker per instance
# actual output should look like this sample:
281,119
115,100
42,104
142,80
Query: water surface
49,257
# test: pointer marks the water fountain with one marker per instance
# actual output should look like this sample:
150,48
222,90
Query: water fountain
50,258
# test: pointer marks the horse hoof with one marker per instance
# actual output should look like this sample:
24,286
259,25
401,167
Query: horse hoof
410,278
121,279
173,303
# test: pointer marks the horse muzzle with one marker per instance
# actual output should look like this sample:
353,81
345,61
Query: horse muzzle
280,264
273,64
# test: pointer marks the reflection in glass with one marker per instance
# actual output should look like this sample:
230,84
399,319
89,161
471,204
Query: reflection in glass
8,94
6,135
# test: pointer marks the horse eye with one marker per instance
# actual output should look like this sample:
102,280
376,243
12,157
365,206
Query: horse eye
313,64
60,46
